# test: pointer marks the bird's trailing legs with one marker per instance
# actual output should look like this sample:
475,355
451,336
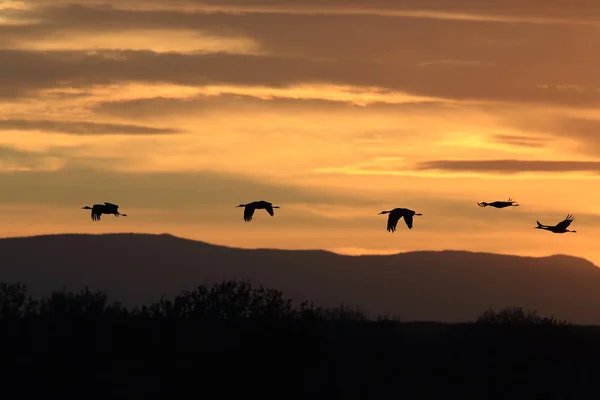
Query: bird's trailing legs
514,203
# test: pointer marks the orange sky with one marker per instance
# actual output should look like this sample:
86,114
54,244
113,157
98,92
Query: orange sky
332,110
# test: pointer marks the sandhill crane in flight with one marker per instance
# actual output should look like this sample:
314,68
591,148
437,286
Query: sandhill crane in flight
257,205
395,216
561,227
499,204
106,208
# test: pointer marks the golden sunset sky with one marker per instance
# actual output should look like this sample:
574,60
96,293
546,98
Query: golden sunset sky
334,110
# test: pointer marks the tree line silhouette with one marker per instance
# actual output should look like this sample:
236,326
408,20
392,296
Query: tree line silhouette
234,338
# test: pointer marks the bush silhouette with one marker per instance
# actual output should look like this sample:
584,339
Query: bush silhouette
233,337
14,302
517,316
231,301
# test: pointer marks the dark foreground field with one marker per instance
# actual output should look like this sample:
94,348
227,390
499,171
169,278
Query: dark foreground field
235,339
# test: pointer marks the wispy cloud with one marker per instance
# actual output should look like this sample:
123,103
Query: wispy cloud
81,127
457,63
312,98
26,71
510,166
522,140
493,11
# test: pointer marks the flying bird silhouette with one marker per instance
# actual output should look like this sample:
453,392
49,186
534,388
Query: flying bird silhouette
561,227
396,214
106,208
499,204
257,205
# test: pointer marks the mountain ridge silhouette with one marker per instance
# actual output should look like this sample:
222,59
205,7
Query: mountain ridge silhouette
444,286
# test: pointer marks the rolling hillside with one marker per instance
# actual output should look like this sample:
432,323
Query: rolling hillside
447,286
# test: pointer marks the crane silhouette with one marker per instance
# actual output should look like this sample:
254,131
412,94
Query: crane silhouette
396,214
561,227
257,205
106,208
499,204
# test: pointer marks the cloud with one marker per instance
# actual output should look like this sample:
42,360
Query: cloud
454,63
81,127
510,166
166,191
533,128
495,10
24,72
331,36
315,99
342,49
163,106
53,158
565,129
585,130
578,9
522,140
12,159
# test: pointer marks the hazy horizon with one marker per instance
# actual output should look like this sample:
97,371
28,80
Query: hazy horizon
332,111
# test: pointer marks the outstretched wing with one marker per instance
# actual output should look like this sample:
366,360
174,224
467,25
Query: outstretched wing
408,218
248,213
565,224
111,207
269,209
96,213
393,219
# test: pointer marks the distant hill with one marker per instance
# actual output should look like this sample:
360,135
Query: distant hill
447,286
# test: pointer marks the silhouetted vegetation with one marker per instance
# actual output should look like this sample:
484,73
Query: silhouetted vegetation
518,316
235,338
